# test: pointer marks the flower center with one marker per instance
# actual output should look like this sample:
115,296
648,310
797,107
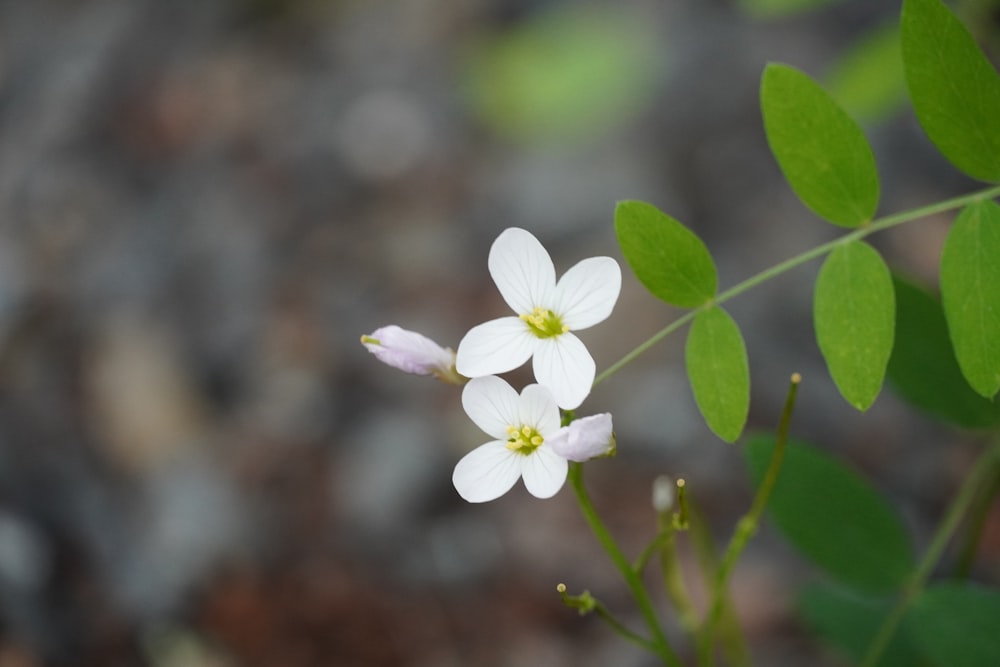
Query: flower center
544,323
523,440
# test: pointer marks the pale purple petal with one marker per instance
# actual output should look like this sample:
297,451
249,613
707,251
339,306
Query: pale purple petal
496,346
492,405
585,438
487,472
563,365
522,270
558,441
408,351
544,472
587,293
537,407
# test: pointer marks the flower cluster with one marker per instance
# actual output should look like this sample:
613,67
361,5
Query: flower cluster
529,442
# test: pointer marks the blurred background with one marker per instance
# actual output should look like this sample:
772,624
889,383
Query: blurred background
203,205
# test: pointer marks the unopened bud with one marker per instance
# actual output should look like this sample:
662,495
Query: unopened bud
412,352
584,439
663,494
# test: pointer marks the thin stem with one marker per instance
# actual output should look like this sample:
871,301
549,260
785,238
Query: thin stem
618,627
645,345
660,645
730,633
673,580
585,603
771,476
652,548
981,474
747,526
785,266
978,514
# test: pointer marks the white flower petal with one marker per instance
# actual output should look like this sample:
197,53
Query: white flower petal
487,472
496,346
522,270
585,438
544,472
491,404
563,365
587,293
537,407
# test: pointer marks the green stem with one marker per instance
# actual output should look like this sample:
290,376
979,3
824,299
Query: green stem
746,527
618,627
652,548
981,474
706,553
785,266
978,514
585,603
660,645
674,586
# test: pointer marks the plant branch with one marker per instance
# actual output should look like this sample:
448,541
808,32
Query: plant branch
585,603
877,225
747,526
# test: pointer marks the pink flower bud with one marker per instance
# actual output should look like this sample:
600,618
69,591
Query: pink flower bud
585,439
414,353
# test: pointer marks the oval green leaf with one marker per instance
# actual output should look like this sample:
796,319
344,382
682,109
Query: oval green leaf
821,151
923,369
717,367
834,517
667,257
956,625
954,88
970,292
854,316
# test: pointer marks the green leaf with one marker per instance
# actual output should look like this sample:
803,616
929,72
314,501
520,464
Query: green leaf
665,255
867,79
970,291
821,151
954,89
717,367
850,621
569,73
834,517
853,312
957,625
923,369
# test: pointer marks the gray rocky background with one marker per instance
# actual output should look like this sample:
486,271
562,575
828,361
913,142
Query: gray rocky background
204,204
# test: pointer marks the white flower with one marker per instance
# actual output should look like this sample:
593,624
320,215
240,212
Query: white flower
586,438
413,353
521,425
547,313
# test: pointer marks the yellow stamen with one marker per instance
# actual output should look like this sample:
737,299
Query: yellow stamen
524,440
544,323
